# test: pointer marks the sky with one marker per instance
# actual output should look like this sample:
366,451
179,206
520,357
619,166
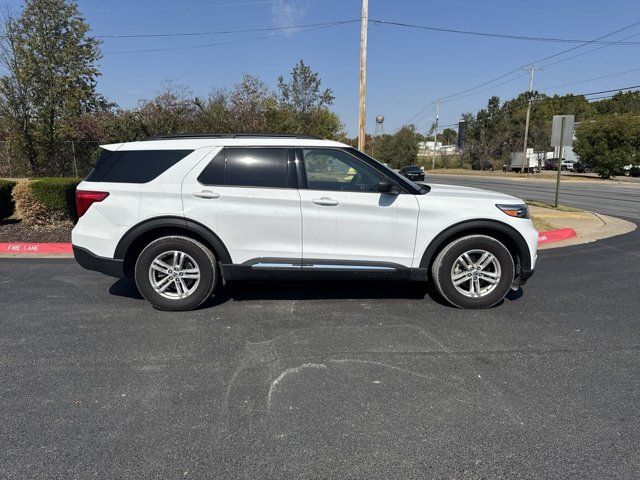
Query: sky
408,69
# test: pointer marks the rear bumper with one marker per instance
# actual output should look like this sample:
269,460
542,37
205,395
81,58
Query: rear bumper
109,266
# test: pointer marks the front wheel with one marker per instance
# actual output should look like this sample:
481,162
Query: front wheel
475,271
176,273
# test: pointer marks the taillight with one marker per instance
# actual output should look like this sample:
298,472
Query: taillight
84,199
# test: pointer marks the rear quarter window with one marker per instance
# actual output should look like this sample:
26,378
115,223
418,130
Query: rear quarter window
134,166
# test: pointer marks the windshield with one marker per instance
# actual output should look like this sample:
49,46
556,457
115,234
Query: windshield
413,187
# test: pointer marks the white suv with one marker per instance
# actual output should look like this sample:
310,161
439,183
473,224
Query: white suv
183,214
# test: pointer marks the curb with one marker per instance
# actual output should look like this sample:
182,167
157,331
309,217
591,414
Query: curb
21,248
557,235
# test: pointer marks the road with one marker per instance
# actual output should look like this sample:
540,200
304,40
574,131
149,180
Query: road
322,380
622,200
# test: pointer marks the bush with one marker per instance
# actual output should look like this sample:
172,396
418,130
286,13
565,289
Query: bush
46,201
7,205
58,195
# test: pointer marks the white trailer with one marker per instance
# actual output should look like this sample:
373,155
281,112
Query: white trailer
532,164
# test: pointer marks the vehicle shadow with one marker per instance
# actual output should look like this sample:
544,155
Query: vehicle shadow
239,291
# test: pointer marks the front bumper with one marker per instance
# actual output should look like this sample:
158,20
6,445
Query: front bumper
109,266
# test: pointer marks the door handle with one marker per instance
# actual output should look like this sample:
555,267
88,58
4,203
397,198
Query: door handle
325,201
206,194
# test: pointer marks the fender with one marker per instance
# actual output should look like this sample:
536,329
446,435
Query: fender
476,225
172,222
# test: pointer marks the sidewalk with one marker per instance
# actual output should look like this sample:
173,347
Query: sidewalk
589,226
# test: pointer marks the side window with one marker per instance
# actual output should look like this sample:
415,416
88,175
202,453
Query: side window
213,174
248,167
336,170
134,166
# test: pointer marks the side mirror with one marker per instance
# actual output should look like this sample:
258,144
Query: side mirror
385,186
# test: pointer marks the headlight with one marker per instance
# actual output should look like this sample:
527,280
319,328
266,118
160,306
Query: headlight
518,211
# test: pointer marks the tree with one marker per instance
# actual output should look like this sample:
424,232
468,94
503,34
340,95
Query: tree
400,149
608,143
51,71
485,133
249,102
172,111
448,136
306,104
303,93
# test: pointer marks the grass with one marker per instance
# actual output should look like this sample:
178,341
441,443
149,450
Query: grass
561,208
541,225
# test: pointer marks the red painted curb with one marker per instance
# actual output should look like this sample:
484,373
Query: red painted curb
556,235
65,248
35,248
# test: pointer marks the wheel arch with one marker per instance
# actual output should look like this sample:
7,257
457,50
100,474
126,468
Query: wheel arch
509,236
140,235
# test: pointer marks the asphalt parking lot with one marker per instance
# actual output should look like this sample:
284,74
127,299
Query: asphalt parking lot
281,380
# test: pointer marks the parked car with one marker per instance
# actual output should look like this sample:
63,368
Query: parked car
634,171
412,172
182,215
485,165
552,164
630,170
581,167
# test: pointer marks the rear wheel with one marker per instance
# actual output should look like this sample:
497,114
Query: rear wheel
176,273
475,271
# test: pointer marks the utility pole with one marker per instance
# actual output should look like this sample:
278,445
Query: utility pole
531,70
435,136
561,153
362,111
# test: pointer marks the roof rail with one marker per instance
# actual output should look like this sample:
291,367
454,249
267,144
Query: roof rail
231,135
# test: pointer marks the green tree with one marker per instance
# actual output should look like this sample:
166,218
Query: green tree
485,134
305,104
448,136
50,77
607,143
399,149
303,92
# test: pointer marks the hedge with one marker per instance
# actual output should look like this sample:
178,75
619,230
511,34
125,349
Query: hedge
46,200
58,195
7,205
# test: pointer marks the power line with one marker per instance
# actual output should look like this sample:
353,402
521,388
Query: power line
185,7
375,22
511,72
226,32
230,42
588,51
497,35
589,80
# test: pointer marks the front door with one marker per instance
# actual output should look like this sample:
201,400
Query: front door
346,219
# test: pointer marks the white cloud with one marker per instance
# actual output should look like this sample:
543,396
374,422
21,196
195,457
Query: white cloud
287,12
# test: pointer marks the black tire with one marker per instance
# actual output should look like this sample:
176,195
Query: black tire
441,271
199,253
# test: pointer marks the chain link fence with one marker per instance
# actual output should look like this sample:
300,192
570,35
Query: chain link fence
72,158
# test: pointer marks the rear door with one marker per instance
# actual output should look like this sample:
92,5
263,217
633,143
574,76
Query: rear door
248,197
347,222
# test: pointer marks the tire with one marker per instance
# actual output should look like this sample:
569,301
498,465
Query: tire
494,280
180,287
